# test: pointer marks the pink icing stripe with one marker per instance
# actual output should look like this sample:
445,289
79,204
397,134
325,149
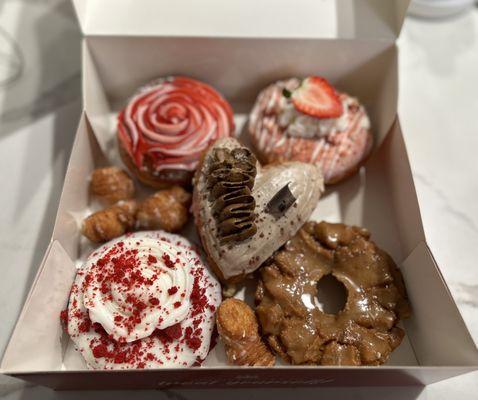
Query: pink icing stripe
172,128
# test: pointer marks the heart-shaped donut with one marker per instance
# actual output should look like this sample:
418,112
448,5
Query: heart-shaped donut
245,212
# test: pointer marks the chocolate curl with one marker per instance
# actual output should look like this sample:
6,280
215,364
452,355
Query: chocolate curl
280,202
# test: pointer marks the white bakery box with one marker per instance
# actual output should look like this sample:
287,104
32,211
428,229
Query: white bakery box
239,46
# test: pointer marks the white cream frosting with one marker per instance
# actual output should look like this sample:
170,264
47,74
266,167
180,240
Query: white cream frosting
296,124
105,307
172,330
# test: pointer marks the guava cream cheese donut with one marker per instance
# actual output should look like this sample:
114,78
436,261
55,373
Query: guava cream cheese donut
144,300
167,125
309,121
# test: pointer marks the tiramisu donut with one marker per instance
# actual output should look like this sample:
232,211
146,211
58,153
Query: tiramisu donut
365,331
243,212
144,300
167,125
309,121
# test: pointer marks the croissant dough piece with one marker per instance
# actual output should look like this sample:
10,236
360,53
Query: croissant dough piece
230,179
238,328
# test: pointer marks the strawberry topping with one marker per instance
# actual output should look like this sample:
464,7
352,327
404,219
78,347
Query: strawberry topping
317,98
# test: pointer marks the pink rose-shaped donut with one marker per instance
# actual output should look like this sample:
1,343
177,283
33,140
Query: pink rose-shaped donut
167,125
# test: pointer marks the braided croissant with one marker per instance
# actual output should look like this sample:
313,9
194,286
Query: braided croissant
238,328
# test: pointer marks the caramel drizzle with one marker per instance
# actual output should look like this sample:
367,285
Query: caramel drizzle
230,180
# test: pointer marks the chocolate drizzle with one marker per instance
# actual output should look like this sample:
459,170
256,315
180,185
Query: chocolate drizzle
230,180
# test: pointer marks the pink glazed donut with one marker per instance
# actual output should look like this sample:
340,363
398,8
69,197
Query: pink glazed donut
167,125
309,121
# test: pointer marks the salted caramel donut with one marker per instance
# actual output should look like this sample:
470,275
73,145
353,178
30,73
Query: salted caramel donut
167,125
283,126
365,332
144,300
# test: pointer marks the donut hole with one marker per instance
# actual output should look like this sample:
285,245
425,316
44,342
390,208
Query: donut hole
331,295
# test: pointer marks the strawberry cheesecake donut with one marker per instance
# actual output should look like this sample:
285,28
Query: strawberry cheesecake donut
144,300
309,121
167,125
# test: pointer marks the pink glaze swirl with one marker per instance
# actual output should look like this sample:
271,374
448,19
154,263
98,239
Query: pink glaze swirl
172,121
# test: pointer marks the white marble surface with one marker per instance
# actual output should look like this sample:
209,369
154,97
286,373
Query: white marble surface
40,104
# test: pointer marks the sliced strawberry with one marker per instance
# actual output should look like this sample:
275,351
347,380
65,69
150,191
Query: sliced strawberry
317,98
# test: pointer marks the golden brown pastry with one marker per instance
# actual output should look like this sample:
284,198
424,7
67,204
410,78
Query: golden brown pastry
238,329
365,331
111,184
166,209
111,222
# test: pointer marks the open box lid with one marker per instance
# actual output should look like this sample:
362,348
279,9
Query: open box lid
329,19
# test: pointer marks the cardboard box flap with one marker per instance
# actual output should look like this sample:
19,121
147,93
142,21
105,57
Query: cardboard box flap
436,329
38,330
361,19
75,195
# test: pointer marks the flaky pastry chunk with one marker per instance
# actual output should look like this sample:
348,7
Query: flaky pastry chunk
238,328
111,222
111,184
166,209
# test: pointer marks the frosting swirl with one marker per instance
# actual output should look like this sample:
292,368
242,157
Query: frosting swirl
126,291
143,300
171,121
230,180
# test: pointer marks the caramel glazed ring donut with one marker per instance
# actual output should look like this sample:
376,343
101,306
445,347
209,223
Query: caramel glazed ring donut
365,332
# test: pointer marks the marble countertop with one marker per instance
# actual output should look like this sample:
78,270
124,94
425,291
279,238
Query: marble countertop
39,108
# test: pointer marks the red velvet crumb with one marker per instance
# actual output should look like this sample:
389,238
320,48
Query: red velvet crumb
172,290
